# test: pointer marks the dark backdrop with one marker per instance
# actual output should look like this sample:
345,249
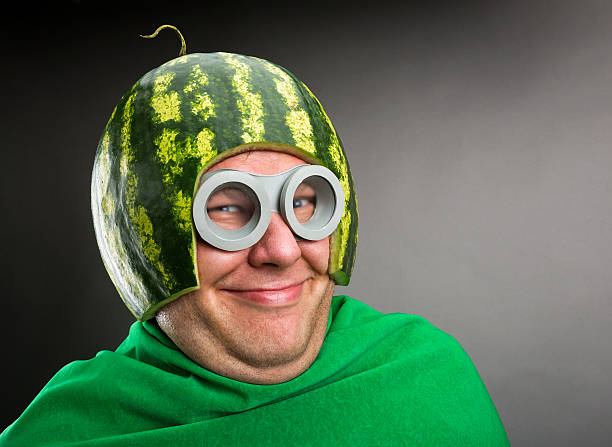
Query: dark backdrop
478,134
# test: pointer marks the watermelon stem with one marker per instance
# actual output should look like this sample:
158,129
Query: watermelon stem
183,44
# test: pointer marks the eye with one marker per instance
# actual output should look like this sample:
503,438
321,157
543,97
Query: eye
225,209
298,203
230,208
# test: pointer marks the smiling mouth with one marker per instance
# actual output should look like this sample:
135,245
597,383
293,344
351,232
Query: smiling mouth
270,297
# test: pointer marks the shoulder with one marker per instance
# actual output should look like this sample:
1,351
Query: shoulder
408,345
405,332
422,368
80,400
411,342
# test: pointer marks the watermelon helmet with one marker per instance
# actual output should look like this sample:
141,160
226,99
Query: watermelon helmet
170,127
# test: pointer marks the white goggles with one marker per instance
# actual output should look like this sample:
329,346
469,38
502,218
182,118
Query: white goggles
232,209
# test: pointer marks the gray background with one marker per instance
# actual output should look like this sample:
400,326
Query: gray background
478,134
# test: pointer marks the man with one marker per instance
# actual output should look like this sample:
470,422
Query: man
225,212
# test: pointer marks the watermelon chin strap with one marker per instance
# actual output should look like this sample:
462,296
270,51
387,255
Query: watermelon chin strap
232,209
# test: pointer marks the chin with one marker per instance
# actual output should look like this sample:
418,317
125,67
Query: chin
278,337
273,347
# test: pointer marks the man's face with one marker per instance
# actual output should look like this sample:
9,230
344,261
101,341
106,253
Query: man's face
264,308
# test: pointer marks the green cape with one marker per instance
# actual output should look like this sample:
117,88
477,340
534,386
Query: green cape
379,379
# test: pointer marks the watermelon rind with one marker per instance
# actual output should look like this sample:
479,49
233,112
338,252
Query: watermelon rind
166,131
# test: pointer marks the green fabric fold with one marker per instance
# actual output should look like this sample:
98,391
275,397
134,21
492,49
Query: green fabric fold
379,379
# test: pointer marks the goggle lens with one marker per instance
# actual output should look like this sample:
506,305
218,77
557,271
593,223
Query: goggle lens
230,208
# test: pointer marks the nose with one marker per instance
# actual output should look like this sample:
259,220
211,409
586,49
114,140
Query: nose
276,247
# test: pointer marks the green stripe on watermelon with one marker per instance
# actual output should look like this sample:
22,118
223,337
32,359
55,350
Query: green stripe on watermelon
248,101
297,117
274,110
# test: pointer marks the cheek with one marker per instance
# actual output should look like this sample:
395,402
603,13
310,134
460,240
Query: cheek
214,264
316,253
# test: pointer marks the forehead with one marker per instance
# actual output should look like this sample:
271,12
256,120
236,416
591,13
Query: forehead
260,162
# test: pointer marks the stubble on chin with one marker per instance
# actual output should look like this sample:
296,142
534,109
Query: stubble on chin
263,340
